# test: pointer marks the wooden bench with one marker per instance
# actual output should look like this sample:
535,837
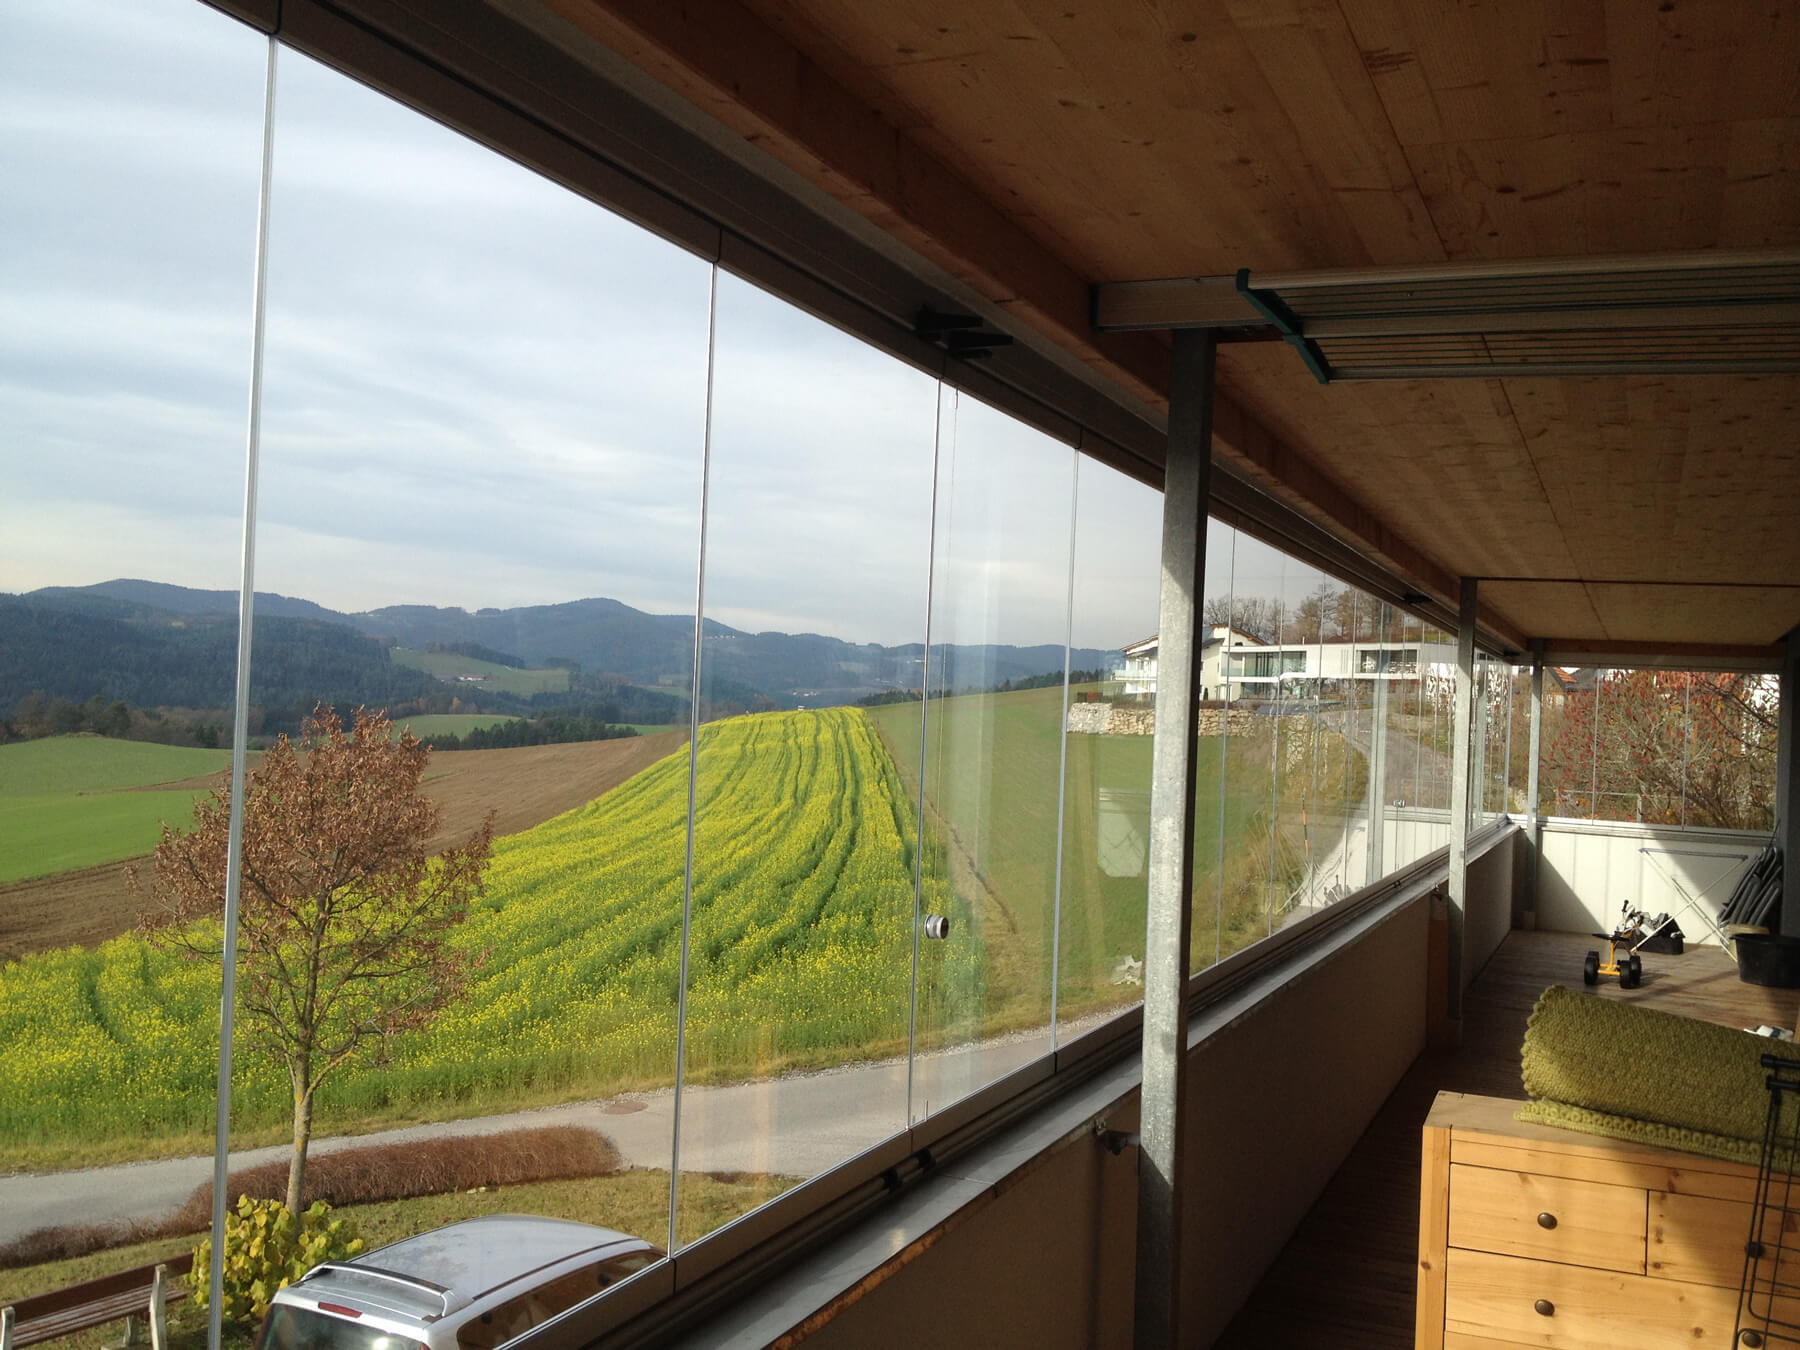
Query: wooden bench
143,1292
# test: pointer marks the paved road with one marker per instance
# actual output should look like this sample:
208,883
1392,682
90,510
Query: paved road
794,1126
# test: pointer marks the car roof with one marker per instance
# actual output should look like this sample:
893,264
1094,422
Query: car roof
468,1261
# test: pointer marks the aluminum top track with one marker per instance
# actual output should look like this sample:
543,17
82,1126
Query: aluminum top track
1687,313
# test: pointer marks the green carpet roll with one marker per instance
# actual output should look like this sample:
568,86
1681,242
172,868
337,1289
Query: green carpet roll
1629,1072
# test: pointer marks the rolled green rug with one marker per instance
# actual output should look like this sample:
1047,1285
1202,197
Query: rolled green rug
1629,1072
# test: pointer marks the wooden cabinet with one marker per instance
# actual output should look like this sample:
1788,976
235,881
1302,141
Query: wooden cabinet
1536,1236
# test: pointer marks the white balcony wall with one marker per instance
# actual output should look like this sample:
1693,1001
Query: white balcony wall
1589,869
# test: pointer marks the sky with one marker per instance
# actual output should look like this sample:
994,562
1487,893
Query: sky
479,389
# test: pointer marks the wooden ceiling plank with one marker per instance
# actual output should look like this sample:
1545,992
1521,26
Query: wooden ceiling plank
1676,63
1462,478
1648,474
1543,606
1028,146
1762,183
797,110
1308,55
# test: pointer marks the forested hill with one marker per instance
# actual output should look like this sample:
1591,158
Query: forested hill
158,659
152,644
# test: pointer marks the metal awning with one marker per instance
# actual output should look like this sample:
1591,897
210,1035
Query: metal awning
1689,313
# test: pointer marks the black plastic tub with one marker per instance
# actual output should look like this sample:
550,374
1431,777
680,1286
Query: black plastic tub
1768,959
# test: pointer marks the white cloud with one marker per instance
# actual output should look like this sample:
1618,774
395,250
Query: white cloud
480,390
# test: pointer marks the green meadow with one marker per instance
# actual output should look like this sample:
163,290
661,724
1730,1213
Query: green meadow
800,951
992,787
79,801
451,724
448,667
799,955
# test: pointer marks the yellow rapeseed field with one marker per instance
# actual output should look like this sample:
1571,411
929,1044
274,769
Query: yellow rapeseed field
800,953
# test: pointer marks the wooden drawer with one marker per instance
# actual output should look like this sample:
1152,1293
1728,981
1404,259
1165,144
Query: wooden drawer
1496,1297
1697,1239
1583,1223
1701,1239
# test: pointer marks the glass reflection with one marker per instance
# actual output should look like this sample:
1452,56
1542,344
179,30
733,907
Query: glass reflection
806,818
130,148
998,658
1108,730
480,514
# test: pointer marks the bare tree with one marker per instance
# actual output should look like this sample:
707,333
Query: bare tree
343,915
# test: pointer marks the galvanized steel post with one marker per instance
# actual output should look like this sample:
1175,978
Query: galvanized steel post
1186,487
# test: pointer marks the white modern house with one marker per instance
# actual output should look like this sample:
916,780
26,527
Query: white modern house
1138,674
1291,663
1236,663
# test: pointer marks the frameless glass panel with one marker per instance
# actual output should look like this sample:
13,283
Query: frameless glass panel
993,743
806,821
130,151
1296,849
1488,741
1437,730
1215,815
1728,768
1253,661
479,522
1664,746
1349,708
1413,767
1566,778
1109,729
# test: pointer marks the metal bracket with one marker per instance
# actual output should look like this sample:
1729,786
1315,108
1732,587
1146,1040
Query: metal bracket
961,335
1116,1141
1269,305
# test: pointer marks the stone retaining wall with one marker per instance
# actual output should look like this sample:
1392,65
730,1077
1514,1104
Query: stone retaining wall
1124,719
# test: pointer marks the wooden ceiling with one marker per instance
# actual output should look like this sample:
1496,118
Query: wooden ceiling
1035,147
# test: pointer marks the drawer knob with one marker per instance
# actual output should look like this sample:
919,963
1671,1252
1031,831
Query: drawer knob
1545,1308
1546,1220
1753,1339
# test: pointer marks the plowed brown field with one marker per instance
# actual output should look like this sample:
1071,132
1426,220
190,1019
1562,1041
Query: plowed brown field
522,788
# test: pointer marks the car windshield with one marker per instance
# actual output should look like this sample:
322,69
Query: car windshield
292,1328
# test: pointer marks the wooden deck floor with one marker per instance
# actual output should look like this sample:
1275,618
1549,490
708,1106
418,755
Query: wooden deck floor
1346,1278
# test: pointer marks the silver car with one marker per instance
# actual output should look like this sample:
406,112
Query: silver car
469,1286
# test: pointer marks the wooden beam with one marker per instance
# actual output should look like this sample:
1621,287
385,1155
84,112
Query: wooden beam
750,77
1668,655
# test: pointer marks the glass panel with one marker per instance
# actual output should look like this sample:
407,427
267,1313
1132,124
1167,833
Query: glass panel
479,516
130,150
1104,877
1351,690
1215,811
800,948
1728,778
1293,766
993,742
1669,746
1566,778
1246,797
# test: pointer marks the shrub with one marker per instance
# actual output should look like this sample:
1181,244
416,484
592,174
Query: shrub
353,1176
266,1250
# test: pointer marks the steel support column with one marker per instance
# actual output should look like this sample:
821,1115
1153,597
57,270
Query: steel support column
1534,826
1185,488
1787,799
1461,738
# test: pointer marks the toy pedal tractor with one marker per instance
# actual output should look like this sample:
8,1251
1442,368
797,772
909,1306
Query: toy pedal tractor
1630,935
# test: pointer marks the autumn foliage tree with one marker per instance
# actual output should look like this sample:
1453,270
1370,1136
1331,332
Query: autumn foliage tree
1667,747
343,914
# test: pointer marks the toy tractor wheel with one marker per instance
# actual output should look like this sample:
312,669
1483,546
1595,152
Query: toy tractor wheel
1633,973
1590,969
